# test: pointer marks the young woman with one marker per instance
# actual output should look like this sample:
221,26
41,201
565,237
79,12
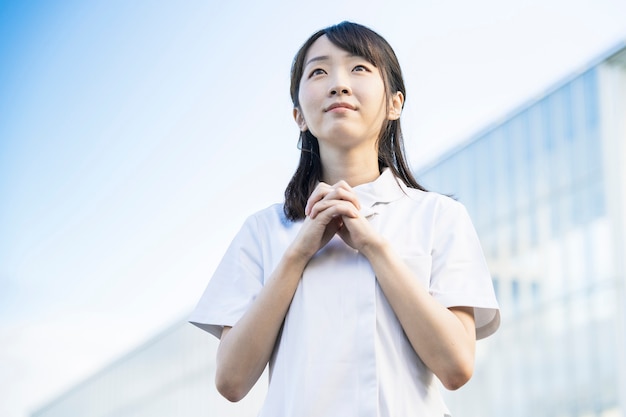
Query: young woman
361,289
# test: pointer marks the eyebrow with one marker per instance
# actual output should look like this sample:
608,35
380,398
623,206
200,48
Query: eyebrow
324,58
317,58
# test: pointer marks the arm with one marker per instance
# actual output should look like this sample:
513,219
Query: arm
443,338
246,348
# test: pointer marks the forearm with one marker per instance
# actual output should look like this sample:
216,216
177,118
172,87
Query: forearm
443,339
245,349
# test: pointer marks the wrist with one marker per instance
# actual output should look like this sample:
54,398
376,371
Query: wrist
296,257
375,247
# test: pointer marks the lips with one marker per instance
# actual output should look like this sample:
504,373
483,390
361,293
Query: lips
340,106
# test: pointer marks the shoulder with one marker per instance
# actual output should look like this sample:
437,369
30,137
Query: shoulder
432,200
270,221
273,214
444,214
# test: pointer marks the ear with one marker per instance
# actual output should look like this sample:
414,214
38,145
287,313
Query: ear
395,108
299,118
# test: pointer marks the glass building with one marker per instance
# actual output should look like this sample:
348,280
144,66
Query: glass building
171,375
546,188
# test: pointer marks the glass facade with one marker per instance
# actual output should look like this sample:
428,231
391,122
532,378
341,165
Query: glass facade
546,188
171,375
536,187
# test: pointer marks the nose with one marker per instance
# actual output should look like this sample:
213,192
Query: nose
340,89
339,85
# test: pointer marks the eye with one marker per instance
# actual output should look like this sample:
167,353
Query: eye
316,71
360,68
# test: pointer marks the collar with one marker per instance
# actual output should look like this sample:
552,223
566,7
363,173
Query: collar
384,189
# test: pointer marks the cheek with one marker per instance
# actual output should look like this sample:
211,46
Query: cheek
309,101
303,97
308,95
374,92
379,104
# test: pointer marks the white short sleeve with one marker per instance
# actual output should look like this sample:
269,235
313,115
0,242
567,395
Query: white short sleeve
459,275
234,284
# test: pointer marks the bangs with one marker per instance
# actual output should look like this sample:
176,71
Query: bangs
358,41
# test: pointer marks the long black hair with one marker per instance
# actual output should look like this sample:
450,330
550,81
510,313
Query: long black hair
360,41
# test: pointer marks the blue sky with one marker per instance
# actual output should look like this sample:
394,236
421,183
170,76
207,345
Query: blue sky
136,136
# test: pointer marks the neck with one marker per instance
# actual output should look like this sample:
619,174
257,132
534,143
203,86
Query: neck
353,167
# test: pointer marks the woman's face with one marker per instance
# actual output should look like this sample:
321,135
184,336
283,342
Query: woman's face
342,97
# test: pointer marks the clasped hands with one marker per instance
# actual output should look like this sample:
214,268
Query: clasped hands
334,209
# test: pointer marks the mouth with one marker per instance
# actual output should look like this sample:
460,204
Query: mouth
335,106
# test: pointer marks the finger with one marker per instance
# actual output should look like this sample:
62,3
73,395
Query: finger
339,191
333,208
355,232
318,194
328,202
342,191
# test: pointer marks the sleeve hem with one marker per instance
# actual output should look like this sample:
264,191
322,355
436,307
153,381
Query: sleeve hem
213,329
